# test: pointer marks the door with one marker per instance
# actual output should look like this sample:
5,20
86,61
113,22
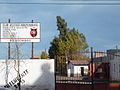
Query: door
82,71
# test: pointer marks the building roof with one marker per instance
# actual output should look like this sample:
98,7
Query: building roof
79,62
36,57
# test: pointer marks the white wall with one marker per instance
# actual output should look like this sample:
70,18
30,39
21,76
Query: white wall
115,68
35,73
77,69
70,69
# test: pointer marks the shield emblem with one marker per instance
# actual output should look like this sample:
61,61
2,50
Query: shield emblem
33,32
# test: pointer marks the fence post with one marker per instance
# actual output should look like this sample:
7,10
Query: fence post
55,69
92,68
119,86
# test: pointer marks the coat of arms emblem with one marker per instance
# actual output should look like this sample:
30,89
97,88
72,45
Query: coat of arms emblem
33,32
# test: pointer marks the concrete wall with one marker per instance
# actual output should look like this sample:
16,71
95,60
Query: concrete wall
36,74
70,70
77,70
115,68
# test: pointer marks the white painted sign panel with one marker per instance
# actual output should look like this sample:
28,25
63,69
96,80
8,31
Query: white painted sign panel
20,32
36,74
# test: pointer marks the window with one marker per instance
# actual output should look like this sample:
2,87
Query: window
119,68
99,70
114,68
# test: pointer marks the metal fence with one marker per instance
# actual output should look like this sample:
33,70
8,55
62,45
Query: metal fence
98,69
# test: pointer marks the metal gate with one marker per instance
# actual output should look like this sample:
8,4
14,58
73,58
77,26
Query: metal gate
97,78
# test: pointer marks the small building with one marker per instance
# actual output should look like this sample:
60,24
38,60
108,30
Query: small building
114,61
77,68
99,68
35,57
106,66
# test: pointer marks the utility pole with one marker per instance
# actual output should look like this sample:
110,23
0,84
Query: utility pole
32,51
9,45
7,59
92,68
18,60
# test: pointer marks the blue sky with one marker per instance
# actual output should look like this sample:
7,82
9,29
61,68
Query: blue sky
99,23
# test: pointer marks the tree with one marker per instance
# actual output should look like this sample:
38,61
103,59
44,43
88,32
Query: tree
68,40
76,41
62,27
44,55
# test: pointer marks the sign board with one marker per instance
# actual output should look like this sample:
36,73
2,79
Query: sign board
20,32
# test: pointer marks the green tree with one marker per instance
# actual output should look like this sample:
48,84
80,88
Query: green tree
62,27
76,41
68,40
44,55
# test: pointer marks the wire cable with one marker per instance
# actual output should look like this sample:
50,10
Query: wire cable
62,3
